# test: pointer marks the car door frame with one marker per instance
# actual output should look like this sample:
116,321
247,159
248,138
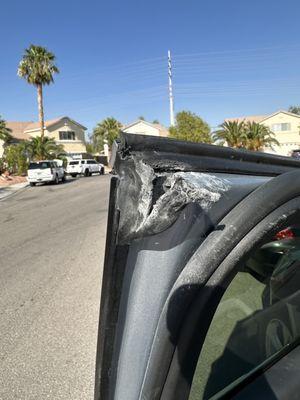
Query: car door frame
164,154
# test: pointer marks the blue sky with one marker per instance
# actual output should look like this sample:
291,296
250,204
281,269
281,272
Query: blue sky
230,58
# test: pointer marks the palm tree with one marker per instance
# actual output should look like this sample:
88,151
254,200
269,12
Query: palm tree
5,133
106,131
259,136
232,133
41,148
37,67
294,110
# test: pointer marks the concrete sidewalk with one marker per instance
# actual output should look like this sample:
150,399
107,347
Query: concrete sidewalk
6,191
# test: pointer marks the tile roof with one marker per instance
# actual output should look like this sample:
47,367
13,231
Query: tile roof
36,125
18,128
260,118
249,118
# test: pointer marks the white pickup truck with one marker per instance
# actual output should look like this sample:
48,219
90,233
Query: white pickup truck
84,167
45,171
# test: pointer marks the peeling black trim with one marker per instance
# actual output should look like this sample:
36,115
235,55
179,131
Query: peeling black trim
165,154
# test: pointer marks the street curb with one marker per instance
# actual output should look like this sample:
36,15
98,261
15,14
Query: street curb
11,193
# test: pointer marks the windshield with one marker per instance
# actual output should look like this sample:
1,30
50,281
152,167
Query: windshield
73,162
39,165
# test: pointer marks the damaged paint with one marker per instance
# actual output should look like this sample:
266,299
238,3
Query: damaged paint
152,216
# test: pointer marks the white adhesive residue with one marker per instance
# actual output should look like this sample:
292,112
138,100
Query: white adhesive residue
201,188
181,188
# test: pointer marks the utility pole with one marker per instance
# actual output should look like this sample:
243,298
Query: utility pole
172,122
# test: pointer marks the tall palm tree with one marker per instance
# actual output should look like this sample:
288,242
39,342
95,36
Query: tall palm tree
106,131
41,148
37,67
5,133
259,136
232,133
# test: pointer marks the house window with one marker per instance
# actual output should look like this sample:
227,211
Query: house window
66,135
281,127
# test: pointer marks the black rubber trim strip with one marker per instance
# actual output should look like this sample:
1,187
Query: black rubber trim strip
170,154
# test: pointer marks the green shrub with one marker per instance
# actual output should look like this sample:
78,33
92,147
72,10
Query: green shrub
15,159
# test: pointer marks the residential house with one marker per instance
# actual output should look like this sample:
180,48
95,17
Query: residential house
63,130
284,125
146,128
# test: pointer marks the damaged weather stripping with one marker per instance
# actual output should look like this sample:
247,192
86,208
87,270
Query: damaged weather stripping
160,197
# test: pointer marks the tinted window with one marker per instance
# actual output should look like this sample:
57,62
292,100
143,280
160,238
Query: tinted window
92,162
39,165
258,316
66,135
82,162
73,162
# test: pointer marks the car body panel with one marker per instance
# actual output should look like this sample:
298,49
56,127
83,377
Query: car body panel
81,167
47,172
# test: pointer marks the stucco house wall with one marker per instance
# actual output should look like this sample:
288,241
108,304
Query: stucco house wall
64,125
289,138
146,128
24,130
142,128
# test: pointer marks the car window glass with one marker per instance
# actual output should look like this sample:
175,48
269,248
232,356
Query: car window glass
73,162
39,165
258,316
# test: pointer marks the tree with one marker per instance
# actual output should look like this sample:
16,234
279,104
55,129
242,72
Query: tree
37,67
259,136
41,148
141,118
90,148
5,133
155,121
106,131
233,133
190,127
294,109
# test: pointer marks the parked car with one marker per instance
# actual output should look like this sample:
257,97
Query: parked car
84,167
201,284
45,171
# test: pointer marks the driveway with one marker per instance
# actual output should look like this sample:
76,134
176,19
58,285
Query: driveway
52,245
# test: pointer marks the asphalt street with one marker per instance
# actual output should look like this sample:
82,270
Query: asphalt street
52,240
